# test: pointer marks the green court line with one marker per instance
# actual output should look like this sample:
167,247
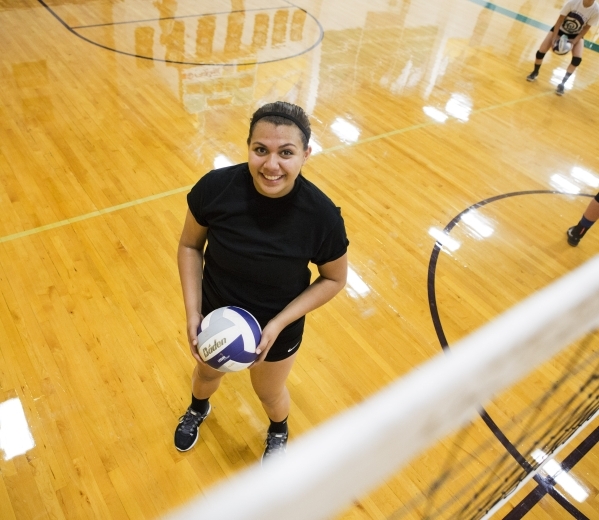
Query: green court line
428,123
512,14
93,214
525,19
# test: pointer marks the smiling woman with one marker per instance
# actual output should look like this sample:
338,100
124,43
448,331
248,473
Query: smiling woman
262,223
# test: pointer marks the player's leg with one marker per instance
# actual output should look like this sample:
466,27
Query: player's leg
589,217
268,379
576,59
204,382
544,47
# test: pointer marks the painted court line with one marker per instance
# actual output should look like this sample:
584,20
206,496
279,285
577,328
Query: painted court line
93,214
430,123
158,196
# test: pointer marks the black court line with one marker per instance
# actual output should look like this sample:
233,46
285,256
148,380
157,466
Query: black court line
528,502
545,486
177,62
566,504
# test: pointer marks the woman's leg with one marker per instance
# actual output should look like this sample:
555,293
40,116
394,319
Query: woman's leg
589,217
592,211
546,44
576,59
205,380
268,380
544,47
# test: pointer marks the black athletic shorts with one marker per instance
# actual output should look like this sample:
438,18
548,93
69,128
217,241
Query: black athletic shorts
287,343
282,349
561,33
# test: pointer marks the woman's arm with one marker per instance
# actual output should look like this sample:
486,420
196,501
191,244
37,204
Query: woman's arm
581,35
190,259
333,276
557,27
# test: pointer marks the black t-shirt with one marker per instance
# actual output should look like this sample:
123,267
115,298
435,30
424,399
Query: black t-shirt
259,247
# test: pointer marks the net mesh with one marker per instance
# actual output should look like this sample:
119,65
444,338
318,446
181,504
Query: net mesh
431,450
476,474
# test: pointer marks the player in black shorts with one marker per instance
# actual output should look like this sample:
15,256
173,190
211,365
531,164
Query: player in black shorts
262,223
575,20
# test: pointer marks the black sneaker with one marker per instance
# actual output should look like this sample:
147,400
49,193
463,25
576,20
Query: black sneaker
560,89
276,446
572,240
532,76
188,430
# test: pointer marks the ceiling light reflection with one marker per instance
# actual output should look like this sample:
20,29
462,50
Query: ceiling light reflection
355,285
585,176
459,106
444,239
398,85
316,148
345,130
221,161
562,184
15,436
557,473
436,114
477,223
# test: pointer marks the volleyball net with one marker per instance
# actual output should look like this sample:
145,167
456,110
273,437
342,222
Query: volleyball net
433,417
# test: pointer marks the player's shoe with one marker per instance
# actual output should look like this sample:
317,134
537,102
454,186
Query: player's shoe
276,446
532,76
188,429
560,89
573,240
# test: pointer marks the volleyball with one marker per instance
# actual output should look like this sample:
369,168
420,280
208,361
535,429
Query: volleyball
228,339
562,45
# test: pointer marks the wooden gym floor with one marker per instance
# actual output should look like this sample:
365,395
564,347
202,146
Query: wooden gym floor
110,110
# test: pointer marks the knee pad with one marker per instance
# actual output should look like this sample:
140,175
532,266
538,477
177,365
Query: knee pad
540,55
576,61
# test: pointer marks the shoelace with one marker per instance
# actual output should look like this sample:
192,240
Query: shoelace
275,442
190,421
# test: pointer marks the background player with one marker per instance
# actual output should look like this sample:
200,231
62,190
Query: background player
575,20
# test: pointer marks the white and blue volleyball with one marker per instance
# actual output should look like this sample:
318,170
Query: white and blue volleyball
562,45
228,339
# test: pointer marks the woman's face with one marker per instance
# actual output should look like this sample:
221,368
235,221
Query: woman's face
275,158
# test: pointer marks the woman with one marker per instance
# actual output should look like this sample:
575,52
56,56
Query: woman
575,20
263,222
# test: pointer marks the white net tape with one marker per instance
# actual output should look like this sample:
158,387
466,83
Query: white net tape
348,456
